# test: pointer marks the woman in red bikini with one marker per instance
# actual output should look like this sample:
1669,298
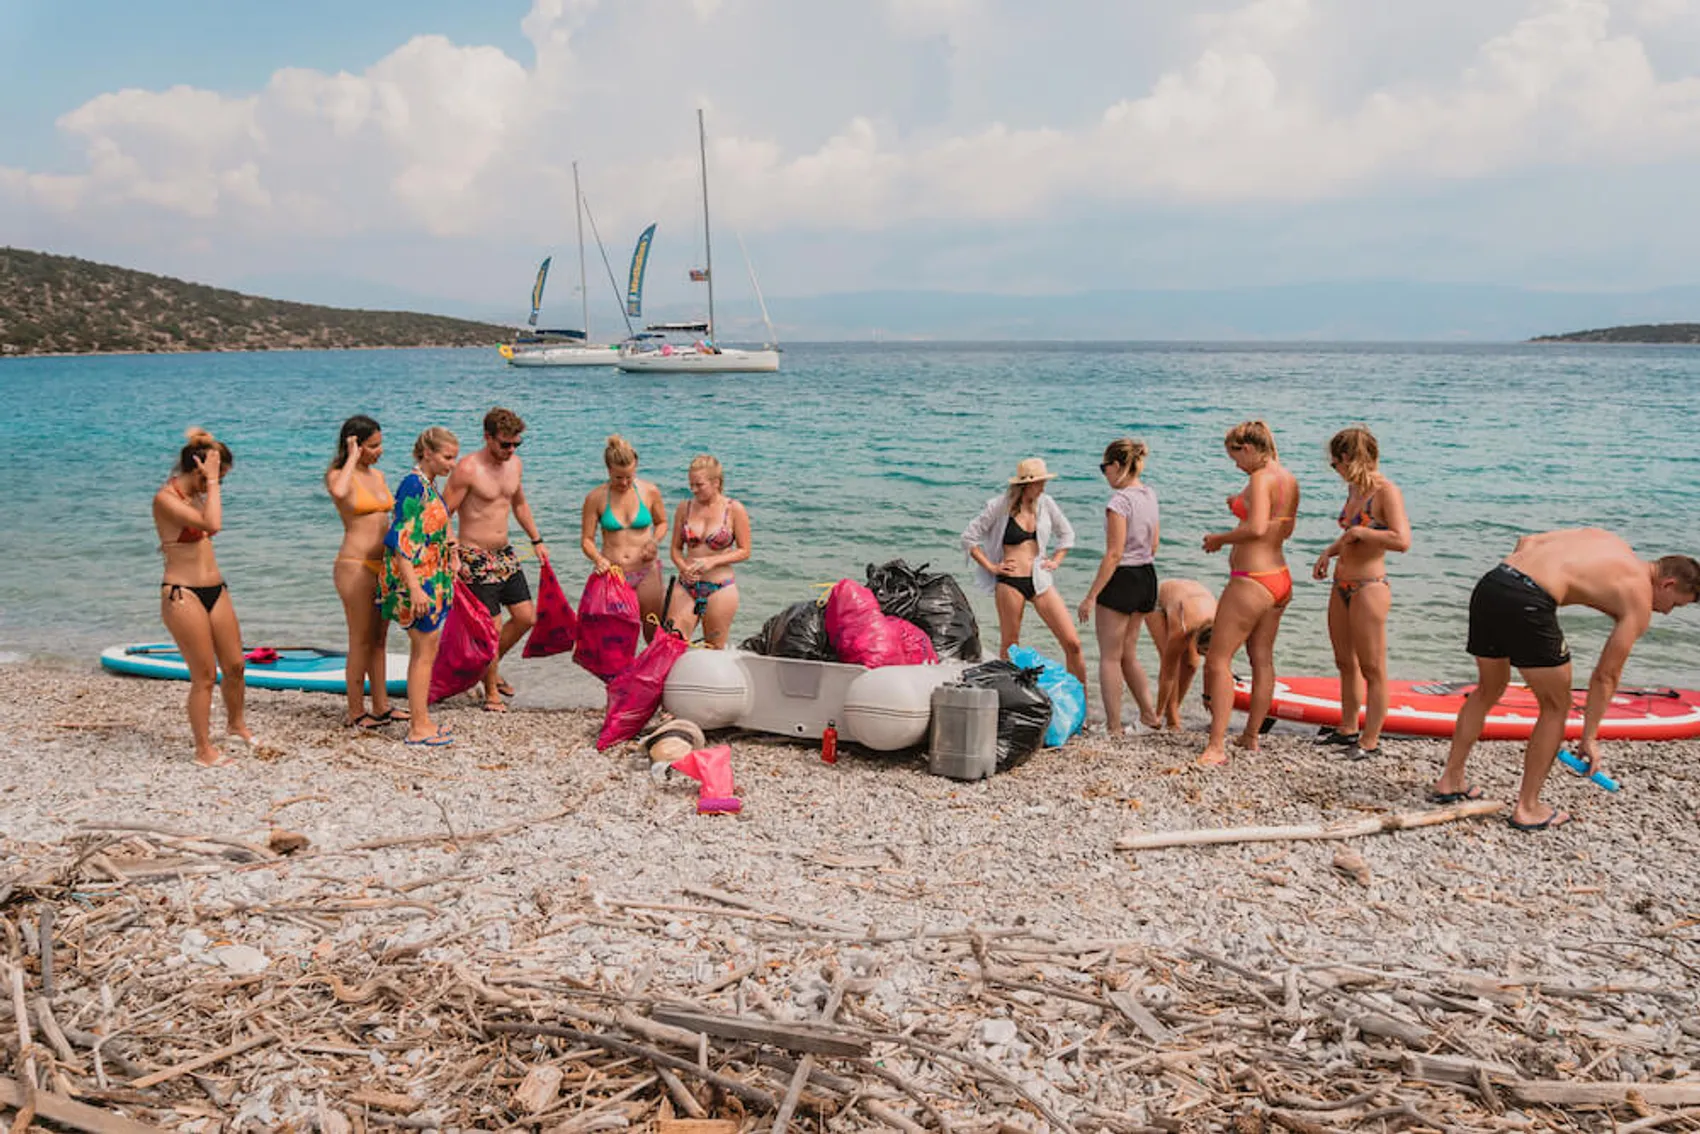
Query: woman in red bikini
1373,522
363,501
194,603
632,520
712,533
1259,585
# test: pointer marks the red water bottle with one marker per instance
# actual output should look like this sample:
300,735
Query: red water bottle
829,744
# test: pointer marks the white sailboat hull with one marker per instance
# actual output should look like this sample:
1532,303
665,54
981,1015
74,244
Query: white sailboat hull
729,360
565,356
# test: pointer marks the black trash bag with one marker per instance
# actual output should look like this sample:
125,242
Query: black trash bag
1024,712
897,587
943,612
798,631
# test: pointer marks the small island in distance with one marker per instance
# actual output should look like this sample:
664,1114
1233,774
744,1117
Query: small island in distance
62,305
1678,333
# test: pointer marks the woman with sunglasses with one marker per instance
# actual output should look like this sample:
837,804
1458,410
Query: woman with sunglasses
1125,588
1008,543
1259,585
1372,522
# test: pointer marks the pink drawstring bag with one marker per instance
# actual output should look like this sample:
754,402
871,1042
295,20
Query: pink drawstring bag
635,693
468,645
860,634
557,626
607,624
712,768
916,646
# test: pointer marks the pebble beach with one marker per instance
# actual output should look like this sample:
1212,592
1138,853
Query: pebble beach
521,880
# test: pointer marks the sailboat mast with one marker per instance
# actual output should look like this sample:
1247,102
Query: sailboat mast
583,291
707,245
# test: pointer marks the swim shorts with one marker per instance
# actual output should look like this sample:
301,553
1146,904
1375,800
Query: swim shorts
1512,616
1131,590
495,577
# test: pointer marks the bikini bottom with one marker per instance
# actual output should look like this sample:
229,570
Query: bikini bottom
1346,588
207,595
1020,584
1279,583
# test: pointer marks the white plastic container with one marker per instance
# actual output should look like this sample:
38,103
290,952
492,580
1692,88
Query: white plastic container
792,697
964,740
708,687
887,709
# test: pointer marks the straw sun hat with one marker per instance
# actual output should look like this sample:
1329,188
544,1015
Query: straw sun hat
1031,471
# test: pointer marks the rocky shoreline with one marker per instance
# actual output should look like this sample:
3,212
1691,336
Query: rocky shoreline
519,880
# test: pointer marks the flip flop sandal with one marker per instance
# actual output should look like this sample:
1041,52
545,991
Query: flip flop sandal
437,740
495,706
1556,819
366,722
1470,793
391,716
504,688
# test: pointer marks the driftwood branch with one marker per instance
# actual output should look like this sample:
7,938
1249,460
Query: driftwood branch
1338,829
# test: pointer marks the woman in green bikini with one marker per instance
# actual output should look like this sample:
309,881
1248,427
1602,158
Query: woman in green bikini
631,519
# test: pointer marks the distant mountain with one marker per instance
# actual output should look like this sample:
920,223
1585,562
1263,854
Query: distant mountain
58,304
1366,311
1684,333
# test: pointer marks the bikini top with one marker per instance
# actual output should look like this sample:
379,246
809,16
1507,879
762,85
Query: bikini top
364,502
1362,517
1236,505
719,539
611,522
189,534
1014,534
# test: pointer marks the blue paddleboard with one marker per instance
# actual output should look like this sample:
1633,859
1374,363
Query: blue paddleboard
296,667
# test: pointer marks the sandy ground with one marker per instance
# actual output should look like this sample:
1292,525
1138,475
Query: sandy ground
877,844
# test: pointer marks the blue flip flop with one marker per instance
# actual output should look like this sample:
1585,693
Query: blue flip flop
436,740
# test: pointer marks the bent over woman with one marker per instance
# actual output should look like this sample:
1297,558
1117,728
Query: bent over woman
1008,542
1259,585
1372,523
194,603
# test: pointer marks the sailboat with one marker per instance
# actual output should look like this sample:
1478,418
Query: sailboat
560,347
650,351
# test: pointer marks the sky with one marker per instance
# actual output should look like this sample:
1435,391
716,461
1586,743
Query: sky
425,148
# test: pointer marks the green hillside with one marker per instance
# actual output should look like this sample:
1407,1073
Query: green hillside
1688,333
62,305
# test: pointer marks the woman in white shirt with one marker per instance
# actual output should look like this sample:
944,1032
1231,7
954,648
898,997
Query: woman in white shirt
1008,542
1125,588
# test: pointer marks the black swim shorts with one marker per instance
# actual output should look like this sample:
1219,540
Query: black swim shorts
1131,590
1512,616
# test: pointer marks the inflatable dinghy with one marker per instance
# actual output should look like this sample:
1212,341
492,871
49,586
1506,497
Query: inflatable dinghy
1429,708
293,667
885,709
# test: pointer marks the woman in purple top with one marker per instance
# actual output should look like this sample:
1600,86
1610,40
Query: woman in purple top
1125,589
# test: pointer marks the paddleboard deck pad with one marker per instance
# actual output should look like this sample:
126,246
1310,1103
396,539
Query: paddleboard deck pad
1430,708
292,667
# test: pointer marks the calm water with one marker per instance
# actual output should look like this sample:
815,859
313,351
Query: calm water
856,454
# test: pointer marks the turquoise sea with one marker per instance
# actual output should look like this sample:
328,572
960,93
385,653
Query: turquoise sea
858,453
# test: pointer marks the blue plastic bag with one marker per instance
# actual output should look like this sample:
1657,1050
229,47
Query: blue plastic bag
1067,694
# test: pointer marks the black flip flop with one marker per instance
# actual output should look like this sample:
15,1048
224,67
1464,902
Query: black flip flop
367,722
1470,793
1557,819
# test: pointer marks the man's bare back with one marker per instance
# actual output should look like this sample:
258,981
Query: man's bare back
1587,567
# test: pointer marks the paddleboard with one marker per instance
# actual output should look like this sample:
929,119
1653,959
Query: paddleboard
1429,708
296,667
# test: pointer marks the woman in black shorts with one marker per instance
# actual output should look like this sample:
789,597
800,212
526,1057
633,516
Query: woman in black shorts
1125,589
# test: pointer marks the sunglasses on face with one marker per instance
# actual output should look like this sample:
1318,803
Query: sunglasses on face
1106,466
509,445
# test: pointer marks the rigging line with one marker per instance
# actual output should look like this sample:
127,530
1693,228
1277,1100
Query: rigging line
619,300
772,339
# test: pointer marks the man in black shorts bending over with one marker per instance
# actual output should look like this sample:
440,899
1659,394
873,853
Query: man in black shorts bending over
1514,622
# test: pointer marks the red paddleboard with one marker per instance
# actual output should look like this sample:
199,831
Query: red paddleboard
1429,708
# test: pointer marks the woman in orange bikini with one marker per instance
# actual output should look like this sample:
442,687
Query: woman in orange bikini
194,603
1373,522
363,501
632,519
1259,585
711,534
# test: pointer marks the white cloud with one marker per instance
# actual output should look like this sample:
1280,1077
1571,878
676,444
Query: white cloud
813,125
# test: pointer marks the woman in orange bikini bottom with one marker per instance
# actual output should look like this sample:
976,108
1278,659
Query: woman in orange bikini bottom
364,503
1279,583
